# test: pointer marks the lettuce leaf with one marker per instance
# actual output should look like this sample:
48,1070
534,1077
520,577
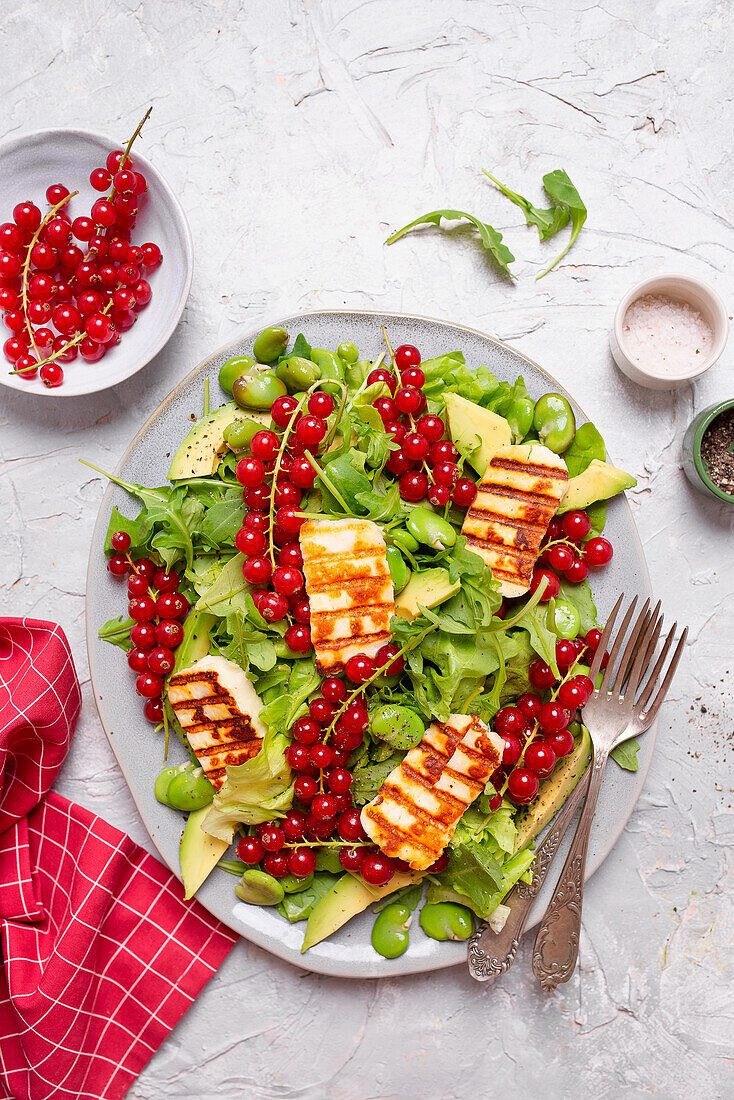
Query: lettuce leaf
255,791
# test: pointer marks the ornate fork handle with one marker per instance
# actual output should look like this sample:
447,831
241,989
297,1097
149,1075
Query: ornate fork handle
493,953
557,943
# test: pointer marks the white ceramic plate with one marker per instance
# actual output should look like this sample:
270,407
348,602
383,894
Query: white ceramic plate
139,751
28,165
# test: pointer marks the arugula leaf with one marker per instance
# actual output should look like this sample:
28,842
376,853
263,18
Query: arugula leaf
409,896
539,625
295,907
548,222
222,520
131,527
597,513
223,589
626,754
369,777
301,347
475,874
303,681
117,631
559,187
490,237
341,482
586,445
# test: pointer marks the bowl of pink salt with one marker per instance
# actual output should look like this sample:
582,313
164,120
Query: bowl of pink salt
668,330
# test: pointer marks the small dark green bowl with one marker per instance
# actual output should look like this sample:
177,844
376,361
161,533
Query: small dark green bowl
694,466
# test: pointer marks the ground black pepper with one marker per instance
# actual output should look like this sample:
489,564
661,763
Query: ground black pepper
717,451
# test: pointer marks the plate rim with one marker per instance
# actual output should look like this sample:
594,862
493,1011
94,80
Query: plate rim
316,965
186,236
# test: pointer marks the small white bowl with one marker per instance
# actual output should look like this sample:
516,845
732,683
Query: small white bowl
681,288
28,165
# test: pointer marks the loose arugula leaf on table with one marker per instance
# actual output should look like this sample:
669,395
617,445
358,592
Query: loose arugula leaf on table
548,222
559,187
117,632
490,237
626,755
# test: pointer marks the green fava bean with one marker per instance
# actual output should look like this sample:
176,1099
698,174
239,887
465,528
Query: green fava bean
294,885
270,345
259,888
258,389
330,363
554,422
430,529
399,726
233,369
189,790
402,539
399,570
444,920
297,373
520,417
390,934
163,781
348,352
239,433
567,620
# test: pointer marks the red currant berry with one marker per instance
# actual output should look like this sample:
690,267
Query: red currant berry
301,610
355,717
290,555
512,749
349,825
560,557
432,427
575,525
321,404
287,581
169,633
407,400
552,717
333,689
250,850
593,638
598,552
320,756
141,608
381,374
360,668
100,179
387,659
323,807
11,237
272,839
398,464
439,495
413,486
117,565
552,587
104,213
577,572
565,653
407,356
446,473
43,256
151,255
275,864
250,472
298,638
305,788
443,451
339,780
161,661
530,706
257,570
561,743
294,825
415,447
282,410
289,521
377,870
510,720
540,758
306,730
522,786
153,710
387,409
287,494
321,710
464,492
301,862
172,605
541,675
298,757
352,859
413,377
149,685
27,216
143,635
311,430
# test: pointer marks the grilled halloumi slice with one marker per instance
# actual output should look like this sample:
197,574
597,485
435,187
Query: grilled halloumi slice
416,810
516,500
349,588
218,709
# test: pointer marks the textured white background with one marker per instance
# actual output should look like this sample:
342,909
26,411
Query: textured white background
297,135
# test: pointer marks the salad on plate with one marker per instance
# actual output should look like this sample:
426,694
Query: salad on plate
362,605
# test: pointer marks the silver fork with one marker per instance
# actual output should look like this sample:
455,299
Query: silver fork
613,708
491,954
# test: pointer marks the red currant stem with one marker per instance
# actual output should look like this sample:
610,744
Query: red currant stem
409,646
508,624
27,264
125,157
71,344
328,483
276,469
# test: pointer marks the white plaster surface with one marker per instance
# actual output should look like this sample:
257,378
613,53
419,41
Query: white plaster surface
297,134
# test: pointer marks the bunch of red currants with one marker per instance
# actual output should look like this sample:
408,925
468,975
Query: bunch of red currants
61,299
564,553
157,609
425,465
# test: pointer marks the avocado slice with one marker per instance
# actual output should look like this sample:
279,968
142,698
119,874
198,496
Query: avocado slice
429,588
199,852
347,897
195,644
477,433
598,481
201,451
554,791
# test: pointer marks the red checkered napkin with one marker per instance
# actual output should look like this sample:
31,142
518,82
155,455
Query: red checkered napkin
101,955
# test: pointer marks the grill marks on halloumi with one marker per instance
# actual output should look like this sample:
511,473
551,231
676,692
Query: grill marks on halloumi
416,810
516,500
349,588
218,709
